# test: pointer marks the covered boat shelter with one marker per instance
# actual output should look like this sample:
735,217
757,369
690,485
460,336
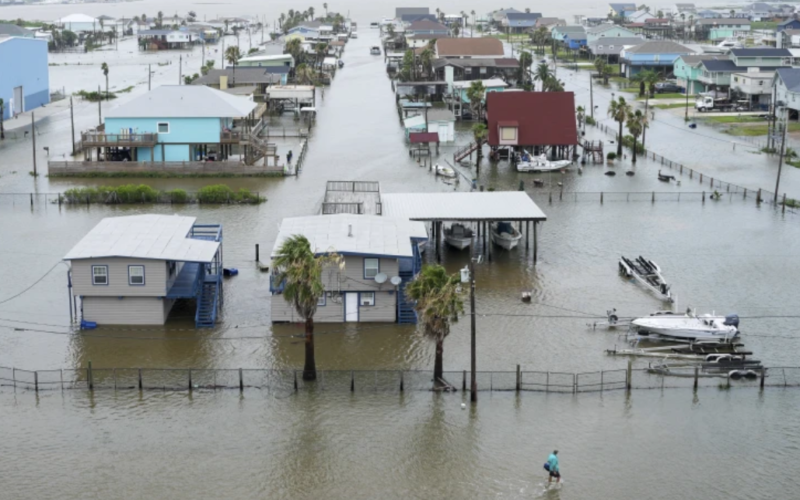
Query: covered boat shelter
480,209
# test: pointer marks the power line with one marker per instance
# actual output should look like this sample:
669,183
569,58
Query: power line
33,285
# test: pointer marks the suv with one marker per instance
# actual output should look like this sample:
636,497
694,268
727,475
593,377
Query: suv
665,87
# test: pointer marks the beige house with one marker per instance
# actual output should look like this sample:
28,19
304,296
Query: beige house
130,270
380,256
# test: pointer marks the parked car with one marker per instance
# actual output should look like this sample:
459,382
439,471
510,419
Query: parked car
667,87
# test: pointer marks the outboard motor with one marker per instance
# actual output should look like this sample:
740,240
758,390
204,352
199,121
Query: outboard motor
732,320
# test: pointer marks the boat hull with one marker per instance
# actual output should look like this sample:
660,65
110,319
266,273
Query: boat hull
459,243
505,240
684,328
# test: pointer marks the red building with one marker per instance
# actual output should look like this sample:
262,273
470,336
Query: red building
540,122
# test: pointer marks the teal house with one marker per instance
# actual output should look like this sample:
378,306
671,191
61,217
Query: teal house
608,31
173,123
689,69
721,29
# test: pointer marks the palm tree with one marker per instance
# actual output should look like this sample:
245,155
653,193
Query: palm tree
301,273
426,61
553,84
635,127
2,113
660,14
294,47
733,13
619,110
325,6
580,113
475,94
542,73
651,77
472,31
525,62
479,132
438,304
104,68
160,21
456,31
304,75
311,13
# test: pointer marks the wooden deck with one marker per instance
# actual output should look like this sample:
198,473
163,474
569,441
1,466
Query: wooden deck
352,197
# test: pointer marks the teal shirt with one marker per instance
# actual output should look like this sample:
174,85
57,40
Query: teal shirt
553,461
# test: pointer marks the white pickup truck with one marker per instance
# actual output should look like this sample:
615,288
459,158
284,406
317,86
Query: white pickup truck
705,103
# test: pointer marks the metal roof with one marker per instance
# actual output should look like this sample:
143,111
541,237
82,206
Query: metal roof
659,47
423,137
722,21
453,206
765,52
350,234
77,18
469,47
244,75
490,83
156,237
790,78
551,124
184,101
7,29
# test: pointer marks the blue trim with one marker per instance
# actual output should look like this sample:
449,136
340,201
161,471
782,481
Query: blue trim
129,275
107,277
364,268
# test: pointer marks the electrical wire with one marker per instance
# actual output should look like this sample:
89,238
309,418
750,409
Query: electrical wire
33,285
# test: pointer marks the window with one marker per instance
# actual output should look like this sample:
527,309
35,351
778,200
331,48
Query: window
163,128
99,275
172,266
367,298
321,300
136,275
508,133
468,71
483,71
371,268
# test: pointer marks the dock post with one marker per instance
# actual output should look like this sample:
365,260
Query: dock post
527,234
295,380
696,376
519,378
704,196
190,380
90,376
257,259
31,200
629,375
601,197
241,381
783,210
36,381
758,197
140,379
464,381
763,375
352,381
401,381
701,178
535,241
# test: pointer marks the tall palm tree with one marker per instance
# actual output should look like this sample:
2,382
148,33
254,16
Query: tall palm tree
104,68
2,113
232,55
301,273
635,127
479,132
426,61
651,77
476,93
580,114
294,47
472,31
304,75
438,304
542,74
619,110
311,13
525,62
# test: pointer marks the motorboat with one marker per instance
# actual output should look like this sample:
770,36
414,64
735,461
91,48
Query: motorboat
458,236
665,178
375,51
374,25
504,234
648,274
722,47
687,327
354,34
444,171
529,163
340,63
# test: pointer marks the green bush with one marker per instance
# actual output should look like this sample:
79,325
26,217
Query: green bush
627,141
590,120
611,155
178,196
131,193
217,193
142,193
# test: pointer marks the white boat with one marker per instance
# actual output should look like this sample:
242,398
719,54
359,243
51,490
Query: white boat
458,236
540,163
444,171
648,274
687,327
505,235
722,47
353,34
375,51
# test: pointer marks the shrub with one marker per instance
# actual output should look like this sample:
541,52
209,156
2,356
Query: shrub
217,193
627,141
178,196
590,121
611,155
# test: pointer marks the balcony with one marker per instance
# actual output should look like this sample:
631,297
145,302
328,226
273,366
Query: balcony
103,140
231,137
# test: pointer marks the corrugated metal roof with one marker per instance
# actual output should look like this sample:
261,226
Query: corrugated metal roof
476,206
765,52
184,101
7,29
660,47
349,234
469,47
157,237
244,75
545,118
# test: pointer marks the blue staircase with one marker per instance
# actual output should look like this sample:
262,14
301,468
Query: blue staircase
207,302
408,269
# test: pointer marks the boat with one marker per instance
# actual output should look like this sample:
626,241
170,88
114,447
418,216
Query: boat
353,34
687,327
340,63
444,171
665,178
374,25
458,236
505,235
528,163
375,51
648,274
722,47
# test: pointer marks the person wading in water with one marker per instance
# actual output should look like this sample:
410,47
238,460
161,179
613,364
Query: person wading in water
552,467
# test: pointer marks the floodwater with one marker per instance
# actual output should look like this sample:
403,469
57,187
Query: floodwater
725,256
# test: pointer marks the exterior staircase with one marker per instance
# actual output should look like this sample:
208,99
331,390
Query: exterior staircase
408,269
207,304
466,151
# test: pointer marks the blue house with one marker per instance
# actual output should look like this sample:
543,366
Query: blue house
173,123
658,55
619,9
520,22
24,77
575,40
789,24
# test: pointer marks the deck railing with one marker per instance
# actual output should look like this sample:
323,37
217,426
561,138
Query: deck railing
230,137
101,139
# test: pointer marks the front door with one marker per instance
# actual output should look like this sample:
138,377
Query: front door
18,100
351,307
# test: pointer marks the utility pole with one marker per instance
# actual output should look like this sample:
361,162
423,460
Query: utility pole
591,94
473,383
222,55
72,122
99,108
180,69
644,125
780,160
33,135
149,76
686,113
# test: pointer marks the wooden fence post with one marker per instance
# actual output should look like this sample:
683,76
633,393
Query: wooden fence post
36,381
464,381
90,376
352,381
519,378
140,379
401,381
629,375
696,376
241,381
190,380
295,380
763,375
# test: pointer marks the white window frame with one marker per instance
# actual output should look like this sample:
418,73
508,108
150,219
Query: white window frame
131,276
366,299
503,131
104,274
483,70
158,127
377,267
322,301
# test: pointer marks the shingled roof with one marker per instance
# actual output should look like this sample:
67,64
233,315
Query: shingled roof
454,47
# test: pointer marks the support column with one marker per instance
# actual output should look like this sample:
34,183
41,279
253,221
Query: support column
535,241
527,234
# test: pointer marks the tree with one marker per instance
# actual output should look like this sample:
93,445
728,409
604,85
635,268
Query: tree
472,12
325,6
426,61
160,20
104,68
232,55
660,14
407,68
311,13
553,84
456,30
479,132
300,272
525,62
542,74
304,75
207,67
651,77
476,92
619,110
2,113
733,13
294,47
639,78
438,304
635,127
580,114
69,38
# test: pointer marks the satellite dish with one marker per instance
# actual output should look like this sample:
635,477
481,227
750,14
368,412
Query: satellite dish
381,278
396,280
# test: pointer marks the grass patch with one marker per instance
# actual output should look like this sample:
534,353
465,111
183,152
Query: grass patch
142,193
675,105
756,130
95,96
763,25
792,203
159,175
125,90
730,119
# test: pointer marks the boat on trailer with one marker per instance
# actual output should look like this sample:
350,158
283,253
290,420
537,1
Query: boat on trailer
529,163
689,327
647,273
505,235
458,236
